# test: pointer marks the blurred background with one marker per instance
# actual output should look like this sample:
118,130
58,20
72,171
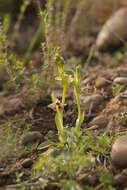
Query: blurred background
77,21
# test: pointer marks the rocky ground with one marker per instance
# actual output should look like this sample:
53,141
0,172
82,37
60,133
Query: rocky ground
104,109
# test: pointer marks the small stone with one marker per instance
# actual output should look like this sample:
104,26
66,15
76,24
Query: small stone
31,137
120,80
100,121
101,82
27,163
124,171
10,105
120,179
122,72
90,102
86,81
119,152
92,180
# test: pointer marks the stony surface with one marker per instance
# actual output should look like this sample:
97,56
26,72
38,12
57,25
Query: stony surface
90,102
10,104
120,80
101,82
119,152
27,163
101,121
122,72
31,137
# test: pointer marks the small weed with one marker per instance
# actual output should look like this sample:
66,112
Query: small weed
9,145
118,56
117,89
14,67
106,180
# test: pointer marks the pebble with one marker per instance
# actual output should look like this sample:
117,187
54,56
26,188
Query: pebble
100,121
101,82
31,137
119,152
120,179
86,81
27,163
10,105
124,171
122,72
90,102
113,30
120,80
92,180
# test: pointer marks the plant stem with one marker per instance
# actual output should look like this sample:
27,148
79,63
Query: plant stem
77,95
78,100
63,100
64,93
59,124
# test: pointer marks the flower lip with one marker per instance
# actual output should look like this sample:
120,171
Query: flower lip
56,104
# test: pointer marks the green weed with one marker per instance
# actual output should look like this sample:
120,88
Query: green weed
9,145
117,89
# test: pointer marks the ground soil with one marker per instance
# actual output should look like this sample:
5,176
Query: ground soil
42,118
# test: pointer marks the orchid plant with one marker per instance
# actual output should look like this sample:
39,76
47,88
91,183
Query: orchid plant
73,79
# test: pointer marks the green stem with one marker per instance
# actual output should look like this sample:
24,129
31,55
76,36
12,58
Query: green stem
59,124
64,94
63,100
77,95
78,101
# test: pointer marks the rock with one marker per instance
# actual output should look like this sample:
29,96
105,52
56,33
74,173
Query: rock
120,179
120,80
100,121
113,31
101,82
90,102
92,180
10,105
27,163
119,152
32,137
124,171
122,72
85,81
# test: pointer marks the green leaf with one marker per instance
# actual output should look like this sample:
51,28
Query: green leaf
45,145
